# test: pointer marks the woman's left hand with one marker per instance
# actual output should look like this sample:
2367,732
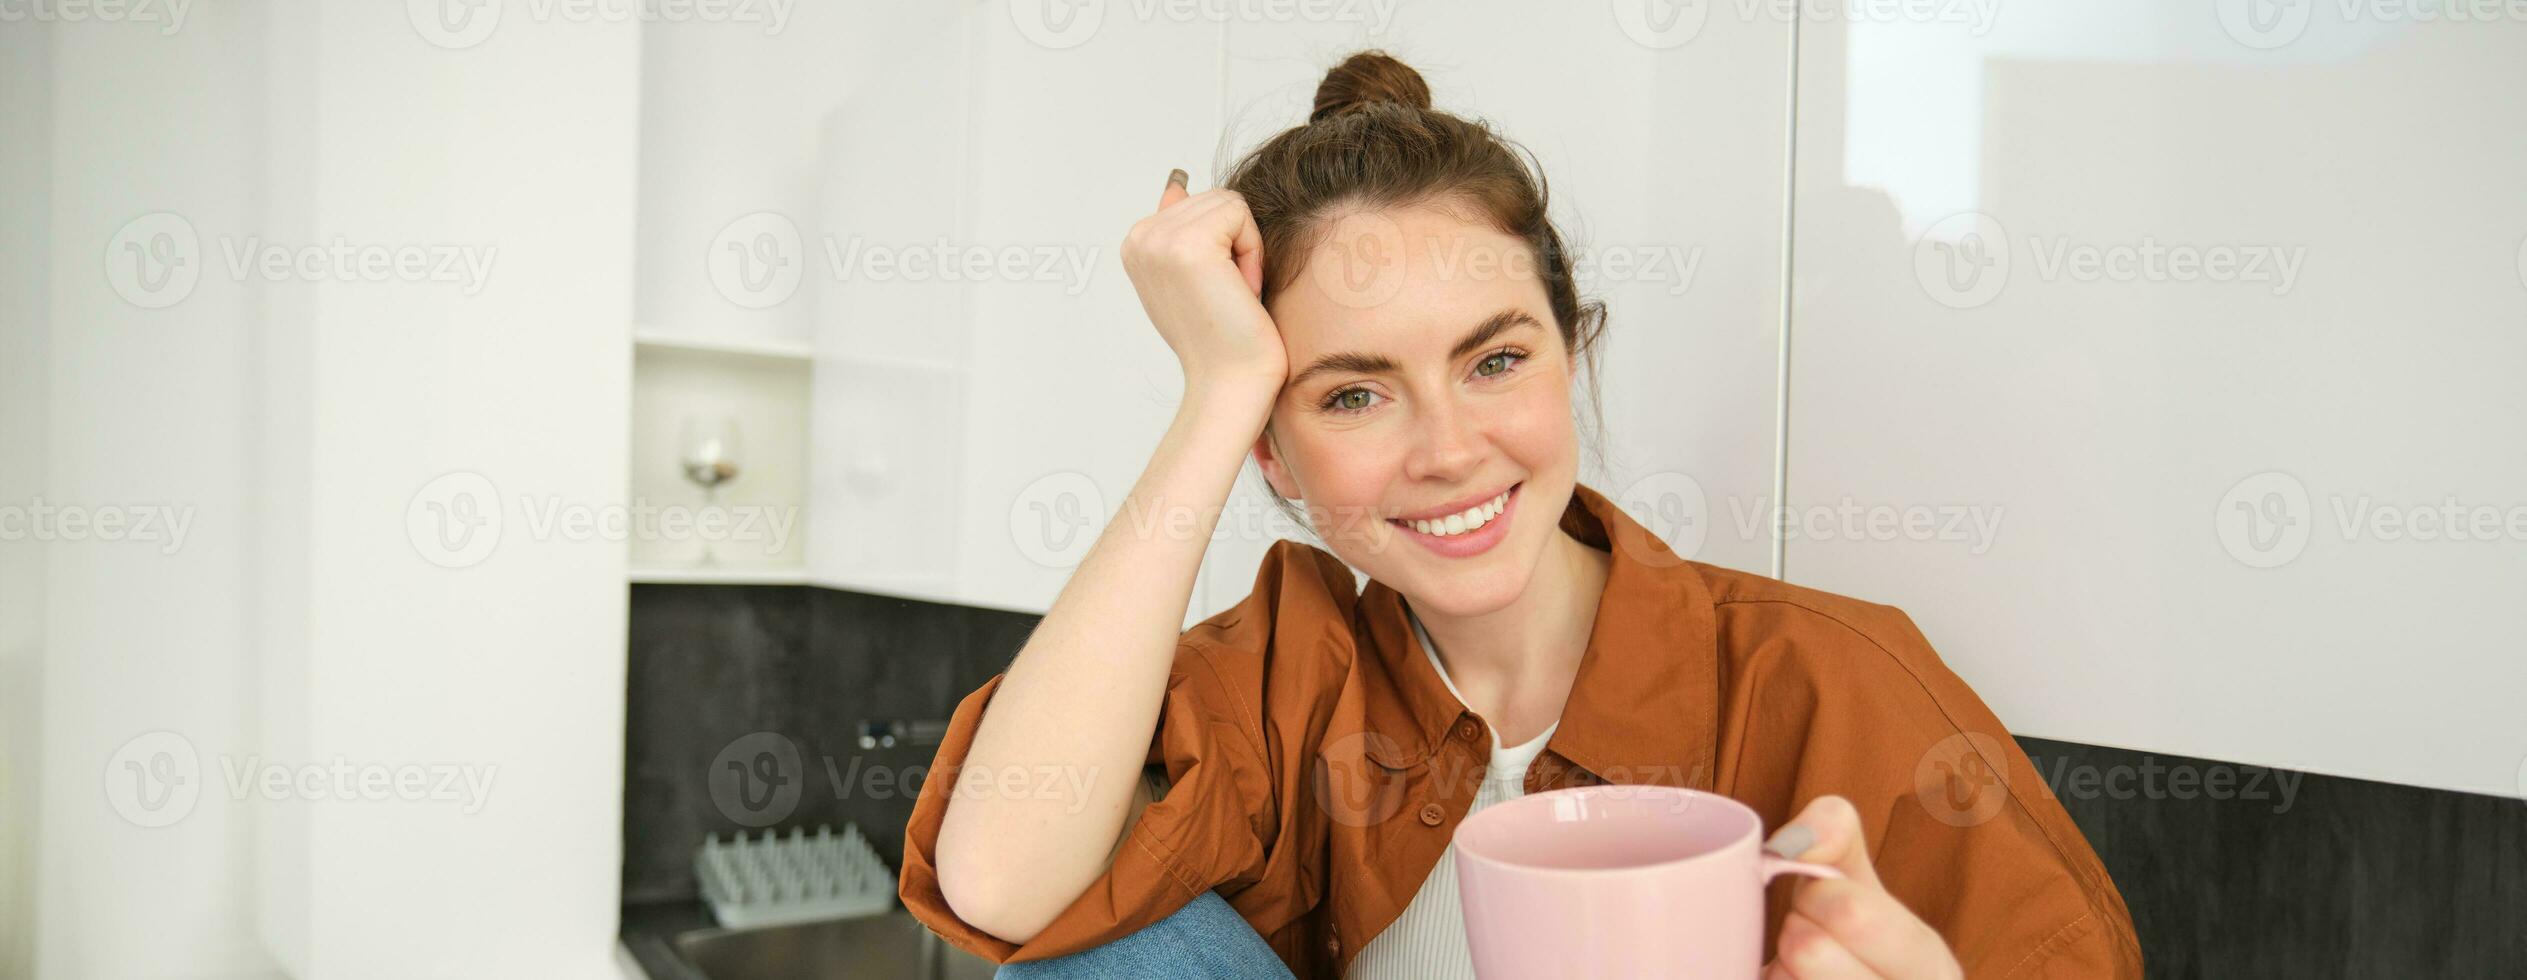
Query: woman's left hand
1848,929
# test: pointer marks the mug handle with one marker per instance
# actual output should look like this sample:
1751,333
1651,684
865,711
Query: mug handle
1774,866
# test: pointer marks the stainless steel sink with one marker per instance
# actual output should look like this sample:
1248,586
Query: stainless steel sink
879,947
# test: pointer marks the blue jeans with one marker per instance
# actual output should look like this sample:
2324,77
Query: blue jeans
1206,938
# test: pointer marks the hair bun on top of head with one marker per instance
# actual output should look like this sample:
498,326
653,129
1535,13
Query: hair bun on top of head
1366,78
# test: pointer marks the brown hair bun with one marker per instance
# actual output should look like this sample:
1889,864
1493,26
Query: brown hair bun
1369,77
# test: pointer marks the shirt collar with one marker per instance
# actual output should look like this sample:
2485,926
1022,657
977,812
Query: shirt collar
1645,705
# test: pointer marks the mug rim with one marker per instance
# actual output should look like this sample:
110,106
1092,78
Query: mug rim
1456,842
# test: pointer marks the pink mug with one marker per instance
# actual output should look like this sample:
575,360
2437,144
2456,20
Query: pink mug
1617,880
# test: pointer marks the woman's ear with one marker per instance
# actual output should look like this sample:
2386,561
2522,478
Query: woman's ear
1276,472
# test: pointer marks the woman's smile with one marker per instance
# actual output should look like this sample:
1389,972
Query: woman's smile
1464,532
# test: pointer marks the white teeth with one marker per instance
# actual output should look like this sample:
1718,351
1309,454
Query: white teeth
1472,519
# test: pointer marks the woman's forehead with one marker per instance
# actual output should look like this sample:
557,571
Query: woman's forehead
1405,279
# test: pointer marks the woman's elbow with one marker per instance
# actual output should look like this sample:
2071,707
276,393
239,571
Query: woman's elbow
971,881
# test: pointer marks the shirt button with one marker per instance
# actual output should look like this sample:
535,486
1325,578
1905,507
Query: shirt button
1467,729
1432,815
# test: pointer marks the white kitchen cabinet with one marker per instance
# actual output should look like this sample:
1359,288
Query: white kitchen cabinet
2179,330
993,365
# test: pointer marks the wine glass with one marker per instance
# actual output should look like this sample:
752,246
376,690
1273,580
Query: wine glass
709,451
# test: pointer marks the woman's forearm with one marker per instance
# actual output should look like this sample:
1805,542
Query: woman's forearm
1071,722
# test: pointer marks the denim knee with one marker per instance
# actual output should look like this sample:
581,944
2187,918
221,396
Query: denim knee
1205,938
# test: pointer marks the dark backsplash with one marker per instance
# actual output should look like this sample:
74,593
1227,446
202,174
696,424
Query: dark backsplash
712,665
2341,878
2294,875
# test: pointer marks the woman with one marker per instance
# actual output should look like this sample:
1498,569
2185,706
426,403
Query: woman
1377,309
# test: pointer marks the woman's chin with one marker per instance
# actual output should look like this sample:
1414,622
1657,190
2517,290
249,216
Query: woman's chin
1462,589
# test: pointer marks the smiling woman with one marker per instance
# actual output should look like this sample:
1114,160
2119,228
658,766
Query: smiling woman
1447,392
1309,752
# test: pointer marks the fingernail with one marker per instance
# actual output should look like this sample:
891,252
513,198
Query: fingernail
1791,841
1177,177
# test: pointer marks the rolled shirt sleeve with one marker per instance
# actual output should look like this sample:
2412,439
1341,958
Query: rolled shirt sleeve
1219,826
1851,700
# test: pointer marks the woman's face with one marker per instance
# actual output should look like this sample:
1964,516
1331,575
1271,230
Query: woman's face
1426,374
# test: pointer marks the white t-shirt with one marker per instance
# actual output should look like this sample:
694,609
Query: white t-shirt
1427,941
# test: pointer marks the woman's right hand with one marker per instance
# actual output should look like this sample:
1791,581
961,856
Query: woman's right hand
1198,266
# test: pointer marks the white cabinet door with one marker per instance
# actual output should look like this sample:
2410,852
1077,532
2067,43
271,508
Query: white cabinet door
988,393
2161,359
890,421
1068,386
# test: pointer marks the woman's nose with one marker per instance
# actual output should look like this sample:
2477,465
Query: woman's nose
1447,441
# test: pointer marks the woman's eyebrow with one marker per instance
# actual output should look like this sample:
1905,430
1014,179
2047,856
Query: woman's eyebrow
1355,362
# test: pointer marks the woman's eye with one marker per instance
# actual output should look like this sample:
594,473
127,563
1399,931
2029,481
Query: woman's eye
1505,359
1350,400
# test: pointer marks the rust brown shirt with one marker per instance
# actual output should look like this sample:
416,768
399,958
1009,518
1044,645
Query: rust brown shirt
1319,764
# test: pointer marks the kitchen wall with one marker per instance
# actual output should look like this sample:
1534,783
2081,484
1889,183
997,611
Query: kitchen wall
25,251
139,649
197,699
